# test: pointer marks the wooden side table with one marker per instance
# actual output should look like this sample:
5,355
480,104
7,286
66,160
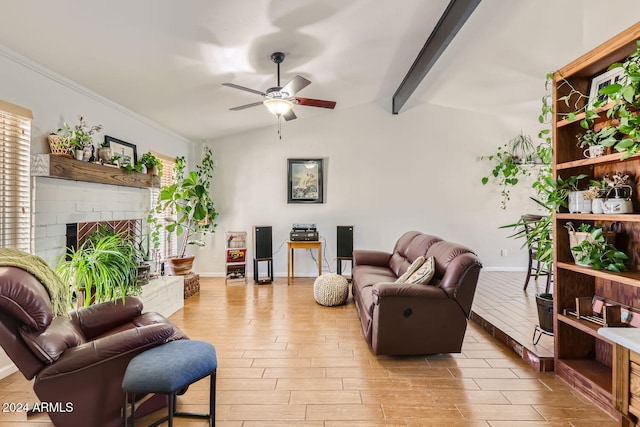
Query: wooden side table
291,245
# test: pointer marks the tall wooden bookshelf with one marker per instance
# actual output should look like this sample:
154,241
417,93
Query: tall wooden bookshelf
583,358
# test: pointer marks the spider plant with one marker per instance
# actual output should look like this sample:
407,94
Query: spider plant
102,268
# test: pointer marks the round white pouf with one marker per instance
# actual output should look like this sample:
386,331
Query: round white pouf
331,289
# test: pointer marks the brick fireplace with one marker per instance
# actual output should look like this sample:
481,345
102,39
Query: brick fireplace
78,232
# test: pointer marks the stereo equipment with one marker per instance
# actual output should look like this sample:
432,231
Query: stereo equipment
305,236
345,241
262,242
304,233
303,227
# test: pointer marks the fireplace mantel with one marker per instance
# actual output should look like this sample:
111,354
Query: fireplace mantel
64,168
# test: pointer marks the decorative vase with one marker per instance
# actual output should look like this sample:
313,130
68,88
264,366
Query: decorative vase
79,153
176,266
105,154
153,170
597,206
86,154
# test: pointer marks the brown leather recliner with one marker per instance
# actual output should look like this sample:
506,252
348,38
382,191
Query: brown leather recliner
415,319
78,362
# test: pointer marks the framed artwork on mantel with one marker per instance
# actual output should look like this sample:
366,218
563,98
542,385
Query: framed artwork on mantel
305,181
127,153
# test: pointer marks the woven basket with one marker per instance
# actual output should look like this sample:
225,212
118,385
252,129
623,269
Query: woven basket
59,146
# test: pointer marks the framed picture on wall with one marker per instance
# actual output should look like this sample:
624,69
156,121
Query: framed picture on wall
305,181
603,80
126,152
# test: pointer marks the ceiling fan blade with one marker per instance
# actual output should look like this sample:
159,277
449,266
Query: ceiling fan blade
246,89
289,115
295,85
316,103
242,107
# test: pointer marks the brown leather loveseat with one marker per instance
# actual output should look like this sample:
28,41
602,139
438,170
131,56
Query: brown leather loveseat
78,362
415,319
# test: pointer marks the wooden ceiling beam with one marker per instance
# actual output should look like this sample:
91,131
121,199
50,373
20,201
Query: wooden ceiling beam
453,18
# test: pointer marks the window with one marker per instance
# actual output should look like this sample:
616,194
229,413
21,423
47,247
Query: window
168,242
15,183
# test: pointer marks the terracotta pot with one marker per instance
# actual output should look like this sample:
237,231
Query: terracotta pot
179,266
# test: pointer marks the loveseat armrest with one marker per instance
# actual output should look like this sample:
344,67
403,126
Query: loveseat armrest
369,257
103,349
406,290
100,318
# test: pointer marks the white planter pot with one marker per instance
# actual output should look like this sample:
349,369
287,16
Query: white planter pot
578,204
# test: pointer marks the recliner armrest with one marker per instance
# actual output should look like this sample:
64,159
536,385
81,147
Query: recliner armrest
369,257
111,346
100,318
390,290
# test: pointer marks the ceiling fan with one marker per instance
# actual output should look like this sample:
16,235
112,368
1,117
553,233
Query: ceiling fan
281,99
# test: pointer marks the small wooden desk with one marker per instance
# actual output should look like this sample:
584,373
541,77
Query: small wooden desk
291,245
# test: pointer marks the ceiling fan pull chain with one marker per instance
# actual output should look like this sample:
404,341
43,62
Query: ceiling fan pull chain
280,127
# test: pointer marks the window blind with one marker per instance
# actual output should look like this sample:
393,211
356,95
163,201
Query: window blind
168,242
15,183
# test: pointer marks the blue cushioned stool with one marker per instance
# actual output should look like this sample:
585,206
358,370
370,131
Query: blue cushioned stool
167,369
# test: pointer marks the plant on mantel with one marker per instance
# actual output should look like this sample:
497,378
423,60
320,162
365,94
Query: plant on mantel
187,207
152,163
79,136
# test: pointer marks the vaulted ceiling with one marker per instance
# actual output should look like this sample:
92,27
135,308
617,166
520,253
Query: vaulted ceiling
167,59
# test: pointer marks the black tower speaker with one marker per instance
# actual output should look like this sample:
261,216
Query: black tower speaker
345,241
262,242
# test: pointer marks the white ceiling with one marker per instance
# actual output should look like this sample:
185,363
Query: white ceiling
166,59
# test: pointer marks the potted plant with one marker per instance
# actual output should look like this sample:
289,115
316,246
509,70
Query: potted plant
190,208
594,142
578,202
521,149
105,152
507,170
103,268
152,163
60,145
596,193
595,251
79,137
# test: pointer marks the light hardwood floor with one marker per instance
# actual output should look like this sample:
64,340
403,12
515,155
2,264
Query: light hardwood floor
286,361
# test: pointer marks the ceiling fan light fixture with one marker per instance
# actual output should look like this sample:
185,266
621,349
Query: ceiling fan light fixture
278,106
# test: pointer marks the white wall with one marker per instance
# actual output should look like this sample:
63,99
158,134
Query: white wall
420,169
384,174
54,100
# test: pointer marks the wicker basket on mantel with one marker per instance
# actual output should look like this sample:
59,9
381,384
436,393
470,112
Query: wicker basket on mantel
59,146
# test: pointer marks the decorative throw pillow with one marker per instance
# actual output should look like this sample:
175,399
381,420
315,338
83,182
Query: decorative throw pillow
412,268
424,274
